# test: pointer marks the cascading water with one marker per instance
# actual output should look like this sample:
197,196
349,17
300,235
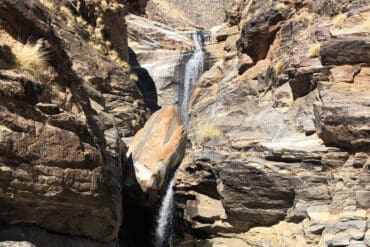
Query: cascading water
164,221
192,71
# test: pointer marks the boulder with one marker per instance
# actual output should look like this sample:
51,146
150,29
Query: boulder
157,149
348,50
342,116
344,73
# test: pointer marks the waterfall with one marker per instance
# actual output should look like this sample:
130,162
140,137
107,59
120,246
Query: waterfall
164,221
193,70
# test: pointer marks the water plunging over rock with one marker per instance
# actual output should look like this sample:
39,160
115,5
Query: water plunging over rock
193,70
163,230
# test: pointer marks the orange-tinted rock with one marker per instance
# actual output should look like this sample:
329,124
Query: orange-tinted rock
343,73
157,149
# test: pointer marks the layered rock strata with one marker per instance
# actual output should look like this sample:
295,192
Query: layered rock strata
66,100
280,130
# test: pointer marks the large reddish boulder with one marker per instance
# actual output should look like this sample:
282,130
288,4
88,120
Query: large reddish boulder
157,149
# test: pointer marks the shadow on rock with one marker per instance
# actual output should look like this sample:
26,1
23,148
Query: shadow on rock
145,83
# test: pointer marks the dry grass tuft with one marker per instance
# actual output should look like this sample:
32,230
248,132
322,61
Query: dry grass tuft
49,5
104,5
81,21
208,133
196,93
100,48
367,25
338,20
311,18
115,7
31,59
66,12
134,77
278,67
99,21
314,50
281,6
114,56
98,34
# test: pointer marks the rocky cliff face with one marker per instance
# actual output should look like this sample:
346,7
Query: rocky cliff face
280,130
66,101
158,54
279,136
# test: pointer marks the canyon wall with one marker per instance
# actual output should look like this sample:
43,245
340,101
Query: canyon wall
67,99
280,130
278,141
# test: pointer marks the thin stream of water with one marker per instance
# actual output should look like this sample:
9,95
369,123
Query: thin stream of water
193,70
164,221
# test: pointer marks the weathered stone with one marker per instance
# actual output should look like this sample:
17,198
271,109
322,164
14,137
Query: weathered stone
350,50
158,52
343,116
48,108
252,197
259,31
204,209
61,129
267,137
31,236
345,73
157,150
245,63
257,70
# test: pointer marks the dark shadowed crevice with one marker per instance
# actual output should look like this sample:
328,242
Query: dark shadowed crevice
145,83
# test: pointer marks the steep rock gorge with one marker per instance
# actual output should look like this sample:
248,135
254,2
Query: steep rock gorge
278,138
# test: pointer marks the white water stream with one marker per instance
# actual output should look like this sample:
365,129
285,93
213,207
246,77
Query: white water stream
193,70
163,231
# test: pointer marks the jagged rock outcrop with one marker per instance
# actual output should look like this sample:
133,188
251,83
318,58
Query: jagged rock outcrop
279,130
156,151
66,101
